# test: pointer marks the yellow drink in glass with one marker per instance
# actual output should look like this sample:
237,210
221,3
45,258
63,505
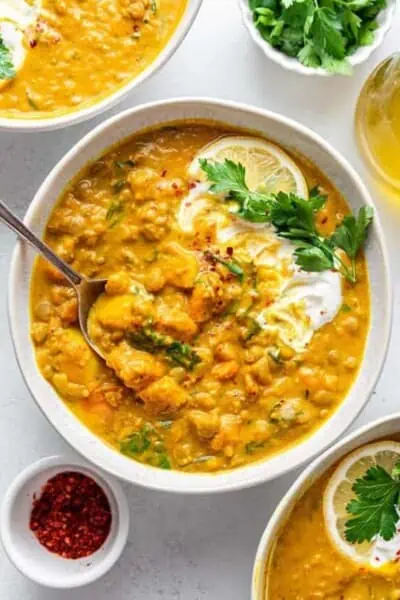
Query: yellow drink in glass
378,121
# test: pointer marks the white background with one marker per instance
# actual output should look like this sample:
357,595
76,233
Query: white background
185,548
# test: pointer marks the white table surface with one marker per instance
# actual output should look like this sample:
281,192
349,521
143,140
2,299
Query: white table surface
185,548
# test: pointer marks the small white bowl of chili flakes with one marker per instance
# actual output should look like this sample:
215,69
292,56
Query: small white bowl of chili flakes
64,524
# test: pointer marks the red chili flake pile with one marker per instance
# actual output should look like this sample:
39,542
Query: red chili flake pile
72,516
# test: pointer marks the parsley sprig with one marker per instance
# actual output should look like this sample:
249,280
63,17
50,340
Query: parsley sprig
294,218
375,509
7,70
318,33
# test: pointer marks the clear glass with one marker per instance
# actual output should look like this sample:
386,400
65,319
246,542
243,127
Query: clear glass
378,121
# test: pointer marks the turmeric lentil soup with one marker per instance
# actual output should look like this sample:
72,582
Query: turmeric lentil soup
306,564
220,350
58,56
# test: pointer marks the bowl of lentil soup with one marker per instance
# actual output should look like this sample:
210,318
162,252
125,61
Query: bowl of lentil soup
318,567
65,61
194,397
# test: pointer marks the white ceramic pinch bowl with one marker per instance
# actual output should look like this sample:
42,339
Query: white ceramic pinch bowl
23,548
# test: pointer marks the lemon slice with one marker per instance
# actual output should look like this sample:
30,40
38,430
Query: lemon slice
268,168
339,492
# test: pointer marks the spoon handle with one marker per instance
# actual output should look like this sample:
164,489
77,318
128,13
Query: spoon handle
14,223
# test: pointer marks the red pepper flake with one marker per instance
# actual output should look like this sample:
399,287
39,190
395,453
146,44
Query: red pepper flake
229,251
72,516
164,173
192,185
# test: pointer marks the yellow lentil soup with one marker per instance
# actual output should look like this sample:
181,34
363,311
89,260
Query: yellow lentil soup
305,564
59,56
194,378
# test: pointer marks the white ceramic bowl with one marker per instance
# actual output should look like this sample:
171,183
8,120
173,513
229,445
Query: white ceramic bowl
52,123
381,428
29,556
385,19
291,135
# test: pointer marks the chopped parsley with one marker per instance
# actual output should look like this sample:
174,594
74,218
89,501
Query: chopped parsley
146,445
7,70
232,265
149,340
114,213
294,218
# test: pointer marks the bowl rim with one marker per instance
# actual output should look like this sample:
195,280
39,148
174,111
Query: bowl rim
78,116
188,483
293,64
300,486
107,483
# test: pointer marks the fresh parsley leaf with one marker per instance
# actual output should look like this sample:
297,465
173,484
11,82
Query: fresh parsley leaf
118,186
294,219
148,340
122,164
345,308
252,447
137,443
326,33
114,212
7,70
319,33
374,511
232,265
352,233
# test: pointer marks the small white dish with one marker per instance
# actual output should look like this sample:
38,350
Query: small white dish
384,428
24,549
385,19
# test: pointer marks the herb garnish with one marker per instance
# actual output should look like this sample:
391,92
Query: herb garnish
118,186
375,509
294,218
320,34
146,442
114,212
122,164
148,340
7,70
232,265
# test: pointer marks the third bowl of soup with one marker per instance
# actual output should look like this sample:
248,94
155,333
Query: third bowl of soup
335,534
247,306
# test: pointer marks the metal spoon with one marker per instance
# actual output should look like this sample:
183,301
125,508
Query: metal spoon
87,290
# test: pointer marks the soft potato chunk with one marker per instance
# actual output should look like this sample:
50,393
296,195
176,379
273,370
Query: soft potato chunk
73,357
164,396
176,322
207,297
205,424
136,369
180,267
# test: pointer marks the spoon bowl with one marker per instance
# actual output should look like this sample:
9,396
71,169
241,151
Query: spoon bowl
87,290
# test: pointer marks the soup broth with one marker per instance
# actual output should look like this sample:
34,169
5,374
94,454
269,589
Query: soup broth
201,386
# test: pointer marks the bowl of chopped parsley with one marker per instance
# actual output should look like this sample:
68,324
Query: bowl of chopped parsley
318,37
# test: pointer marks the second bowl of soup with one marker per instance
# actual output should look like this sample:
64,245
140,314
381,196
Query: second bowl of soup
345,510
246,280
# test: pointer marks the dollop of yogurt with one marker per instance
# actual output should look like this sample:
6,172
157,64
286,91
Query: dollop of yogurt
306,301
383,551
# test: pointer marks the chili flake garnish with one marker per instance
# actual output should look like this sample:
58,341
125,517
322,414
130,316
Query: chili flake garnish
72,516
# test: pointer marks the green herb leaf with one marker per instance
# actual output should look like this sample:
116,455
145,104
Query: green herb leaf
118,186
346,308
232,265
114,212
122,164
137,443
350,236
294,219
148,340
7,70
374,510
319,33
252,447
